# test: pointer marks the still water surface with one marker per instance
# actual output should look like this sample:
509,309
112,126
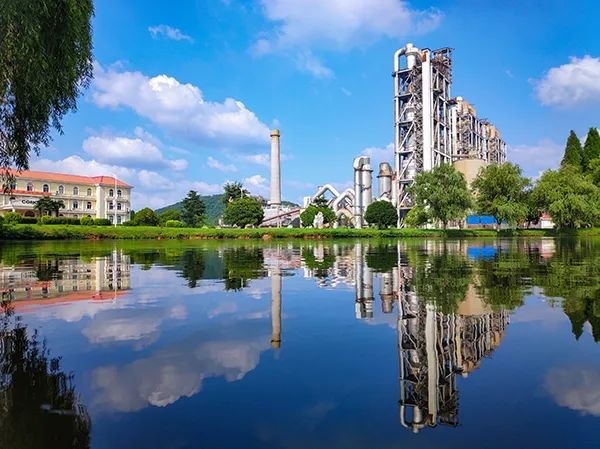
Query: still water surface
370,344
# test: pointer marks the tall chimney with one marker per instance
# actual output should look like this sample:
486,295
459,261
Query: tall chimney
275,169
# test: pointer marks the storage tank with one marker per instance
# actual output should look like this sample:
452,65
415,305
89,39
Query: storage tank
470,168
385,180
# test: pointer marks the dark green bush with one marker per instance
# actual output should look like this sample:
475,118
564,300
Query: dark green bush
173,224
28,220
87,221
129,223
102,222
59,221
12,218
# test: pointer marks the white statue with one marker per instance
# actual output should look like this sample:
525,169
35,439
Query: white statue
318,221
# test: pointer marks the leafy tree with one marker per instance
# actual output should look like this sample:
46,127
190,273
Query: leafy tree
320,201
500,191
570,198
145,217
533,207
45,63
381,214
232,191
57,205
193,210
245,211
442,193
591,148
594,171
44,204
416,217
170,214
573,153
308,215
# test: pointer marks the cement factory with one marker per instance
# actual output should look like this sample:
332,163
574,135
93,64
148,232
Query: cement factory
430,128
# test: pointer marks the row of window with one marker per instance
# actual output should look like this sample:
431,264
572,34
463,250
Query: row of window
61,190
88,205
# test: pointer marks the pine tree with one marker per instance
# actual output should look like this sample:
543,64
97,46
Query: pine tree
193,210
573,153
591,148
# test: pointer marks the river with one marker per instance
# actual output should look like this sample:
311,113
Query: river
295,344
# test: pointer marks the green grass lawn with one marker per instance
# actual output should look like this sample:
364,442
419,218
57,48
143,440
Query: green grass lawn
64,232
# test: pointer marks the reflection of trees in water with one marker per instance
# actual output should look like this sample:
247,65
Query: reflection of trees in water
504,280
574,274
320,265
440,277
382,258
241,265
39,407
192,266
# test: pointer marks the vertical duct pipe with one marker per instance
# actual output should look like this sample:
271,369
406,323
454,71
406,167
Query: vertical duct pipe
367,186
275,169
427,112
357,193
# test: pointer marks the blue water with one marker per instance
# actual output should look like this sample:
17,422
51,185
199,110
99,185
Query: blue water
159,364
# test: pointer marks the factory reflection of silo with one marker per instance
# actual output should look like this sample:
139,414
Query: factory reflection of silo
276,308
363,285
433,347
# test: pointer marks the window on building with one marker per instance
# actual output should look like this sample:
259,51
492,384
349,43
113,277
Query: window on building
111,205
13,186
111,192
46,188
30,187
89,192
111,218
75,190
88,205
119,192
119,219
119,205
61,190
75,205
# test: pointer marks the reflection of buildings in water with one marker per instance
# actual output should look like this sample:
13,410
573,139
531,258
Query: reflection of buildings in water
341,272
66,279
276,308
434,347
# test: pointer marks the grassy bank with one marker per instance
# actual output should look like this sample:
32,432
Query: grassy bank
71,232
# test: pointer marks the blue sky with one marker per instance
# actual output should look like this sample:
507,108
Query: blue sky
184,94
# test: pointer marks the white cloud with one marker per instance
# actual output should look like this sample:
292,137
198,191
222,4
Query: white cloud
259,159
378,155
346,92
168,32
571,84
534,159
204,188
179,108
309,63
341,24
257,185
177,371
129,152
577,389
213,163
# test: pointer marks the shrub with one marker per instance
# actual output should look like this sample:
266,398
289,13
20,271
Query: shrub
307,217
173,224
12,218
59,221
243,212
102,222
128,223
87,221
382,214
29,220
146,217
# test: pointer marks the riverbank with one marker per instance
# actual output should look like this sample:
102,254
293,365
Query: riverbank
71,232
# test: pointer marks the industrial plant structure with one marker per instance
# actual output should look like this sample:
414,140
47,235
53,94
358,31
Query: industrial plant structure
430,128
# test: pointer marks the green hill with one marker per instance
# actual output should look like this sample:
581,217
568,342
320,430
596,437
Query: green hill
214,207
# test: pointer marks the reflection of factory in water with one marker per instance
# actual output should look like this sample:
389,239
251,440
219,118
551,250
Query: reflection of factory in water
40,280
433,346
